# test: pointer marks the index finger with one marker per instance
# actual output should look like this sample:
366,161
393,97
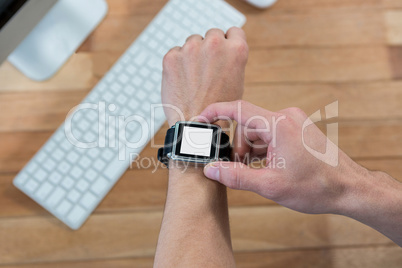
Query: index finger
243,112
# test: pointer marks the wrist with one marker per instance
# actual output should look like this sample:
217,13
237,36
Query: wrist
369,195
187,179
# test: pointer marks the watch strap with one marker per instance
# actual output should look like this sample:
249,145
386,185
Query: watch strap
165,150
225,149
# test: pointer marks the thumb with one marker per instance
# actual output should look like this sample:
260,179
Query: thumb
234,175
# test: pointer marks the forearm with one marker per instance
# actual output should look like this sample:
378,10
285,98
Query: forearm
195,227
375,199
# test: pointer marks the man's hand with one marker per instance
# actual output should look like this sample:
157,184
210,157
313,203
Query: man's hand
294,178
202,72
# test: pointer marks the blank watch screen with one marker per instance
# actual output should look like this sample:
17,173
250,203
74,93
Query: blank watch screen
196,141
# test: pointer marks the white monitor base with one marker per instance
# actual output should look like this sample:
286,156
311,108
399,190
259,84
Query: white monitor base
57,36
261,3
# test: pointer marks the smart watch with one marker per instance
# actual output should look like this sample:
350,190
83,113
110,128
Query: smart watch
195,142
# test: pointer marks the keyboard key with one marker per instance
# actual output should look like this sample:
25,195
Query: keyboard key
123,78
141,95
59,135
140,59
82,185
89,137
76,173
155,98
73,196
95,129
146,108
125,112
108,154
108,97
176,15
110,77
116,88
83,125
133,104
129,90
64,167
125,59
68,183
137,81
40,175
88,201
168,26
99,164
44,191
91,175
94,153
161,36
55,177
50,146
112,171
117,68
91,115
121,99
85,162
21,178
49,164
153,44
101,87
66,145
149,86
131,69
58,154
64,207
31,186
100,186
31,167
55,197
41,156
76,215
156,77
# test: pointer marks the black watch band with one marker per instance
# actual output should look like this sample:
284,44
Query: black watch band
224,151
165,150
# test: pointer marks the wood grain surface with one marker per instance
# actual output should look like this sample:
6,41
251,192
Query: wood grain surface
306,54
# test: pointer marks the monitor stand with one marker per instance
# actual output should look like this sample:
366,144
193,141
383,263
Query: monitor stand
57,36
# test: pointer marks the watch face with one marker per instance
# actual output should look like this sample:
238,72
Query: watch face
197,141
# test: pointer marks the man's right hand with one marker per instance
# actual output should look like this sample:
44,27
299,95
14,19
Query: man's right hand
293,177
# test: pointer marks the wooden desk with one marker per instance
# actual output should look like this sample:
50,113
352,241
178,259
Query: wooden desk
302,53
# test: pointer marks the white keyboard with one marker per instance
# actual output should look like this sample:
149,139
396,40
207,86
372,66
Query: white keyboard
85,157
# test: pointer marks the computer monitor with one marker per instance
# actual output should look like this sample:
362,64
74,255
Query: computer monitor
39,36
17,20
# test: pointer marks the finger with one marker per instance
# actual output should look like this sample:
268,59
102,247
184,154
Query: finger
174,49
244,148
259,149
236,175
171,58
236,33
243,112
194,37
241,146
215,33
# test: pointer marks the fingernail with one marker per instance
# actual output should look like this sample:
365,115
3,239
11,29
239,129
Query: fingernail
198,118
212,171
